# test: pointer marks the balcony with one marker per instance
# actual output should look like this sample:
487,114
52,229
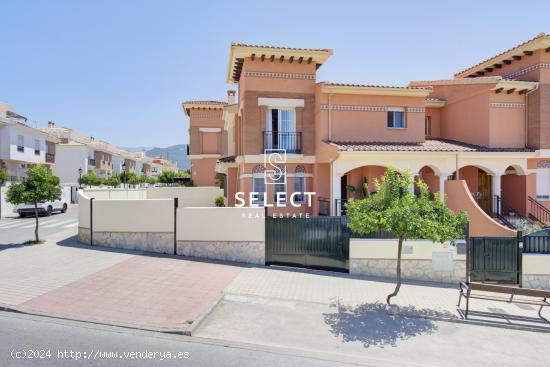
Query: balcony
50,158
91,162
289,142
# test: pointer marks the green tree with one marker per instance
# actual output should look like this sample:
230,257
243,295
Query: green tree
393,207
3,179
39,186
151,180
132,179
167,176
90,179
113,180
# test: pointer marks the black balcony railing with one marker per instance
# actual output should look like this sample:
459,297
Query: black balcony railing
91,161
290,142
50,157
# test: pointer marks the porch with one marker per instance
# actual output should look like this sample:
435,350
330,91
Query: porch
497,185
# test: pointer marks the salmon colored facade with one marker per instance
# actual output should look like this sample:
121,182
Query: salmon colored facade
491,123
206,139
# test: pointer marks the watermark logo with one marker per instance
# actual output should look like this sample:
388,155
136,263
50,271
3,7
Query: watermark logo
274,181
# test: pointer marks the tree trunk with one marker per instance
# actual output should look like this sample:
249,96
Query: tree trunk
36,219
398,282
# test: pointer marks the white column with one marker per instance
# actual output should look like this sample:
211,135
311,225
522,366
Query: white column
442,179
496,190
336,186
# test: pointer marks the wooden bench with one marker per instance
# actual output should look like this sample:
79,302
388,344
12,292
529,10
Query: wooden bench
531,294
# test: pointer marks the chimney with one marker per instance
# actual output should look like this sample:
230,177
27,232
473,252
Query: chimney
51,124
92,138
231,97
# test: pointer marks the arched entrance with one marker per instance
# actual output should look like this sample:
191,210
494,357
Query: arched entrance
480,184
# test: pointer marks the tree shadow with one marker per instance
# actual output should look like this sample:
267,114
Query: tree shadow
375,324
10,246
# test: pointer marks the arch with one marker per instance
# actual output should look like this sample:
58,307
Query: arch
430,176
519,170
300,169
258,170
489,171
436,171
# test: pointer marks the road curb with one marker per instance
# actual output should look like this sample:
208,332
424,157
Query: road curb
196,323
15,309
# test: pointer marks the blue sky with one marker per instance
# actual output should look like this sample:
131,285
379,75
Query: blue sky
118,70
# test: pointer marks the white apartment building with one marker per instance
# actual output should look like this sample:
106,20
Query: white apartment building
78,154
22,146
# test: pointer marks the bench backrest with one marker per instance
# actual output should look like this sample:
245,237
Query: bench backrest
509,290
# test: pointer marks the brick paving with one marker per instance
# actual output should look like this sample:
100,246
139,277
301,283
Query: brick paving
30,271
146,291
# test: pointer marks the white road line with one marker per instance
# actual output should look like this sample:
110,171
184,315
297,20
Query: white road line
41,223
13,225
59,224
71,225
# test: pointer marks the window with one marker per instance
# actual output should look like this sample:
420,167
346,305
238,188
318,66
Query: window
20,143
428,126
280,187
281,129
36,147
543,183
396,117
258,184
299,184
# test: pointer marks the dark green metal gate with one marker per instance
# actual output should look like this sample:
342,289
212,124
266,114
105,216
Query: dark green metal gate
314,242
495,259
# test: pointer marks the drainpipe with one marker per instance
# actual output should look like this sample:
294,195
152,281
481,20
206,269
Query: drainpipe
330,117
527,115
457,176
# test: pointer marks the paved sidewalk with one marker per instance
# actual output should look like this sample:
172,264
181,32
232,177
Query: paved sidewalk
320,312
66,279
30,271
144,291
416,299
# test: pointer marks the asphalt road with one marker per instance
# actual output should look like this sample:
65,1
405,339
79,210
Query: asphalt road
15,230
55,342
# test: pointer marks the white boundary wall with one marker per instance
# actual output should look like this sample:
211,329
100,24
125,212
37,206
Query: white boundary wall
536,271
221,224
231,234
421,260
187,196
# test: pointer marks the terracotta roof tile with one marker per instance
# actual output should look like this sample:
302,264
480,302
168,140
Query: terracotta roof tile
205,102
369,86
239,44
431,145
540,35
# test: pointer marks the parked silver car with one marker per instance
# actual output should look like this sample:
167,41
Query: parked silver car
45,208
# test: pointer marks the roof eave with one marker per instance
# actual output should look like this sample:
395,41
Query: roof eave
535,44
237,51
380,91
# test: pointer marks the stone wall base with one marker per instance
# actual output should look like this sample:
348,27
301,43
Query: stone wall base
245,252
139,241
535,281
84,235
410,269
